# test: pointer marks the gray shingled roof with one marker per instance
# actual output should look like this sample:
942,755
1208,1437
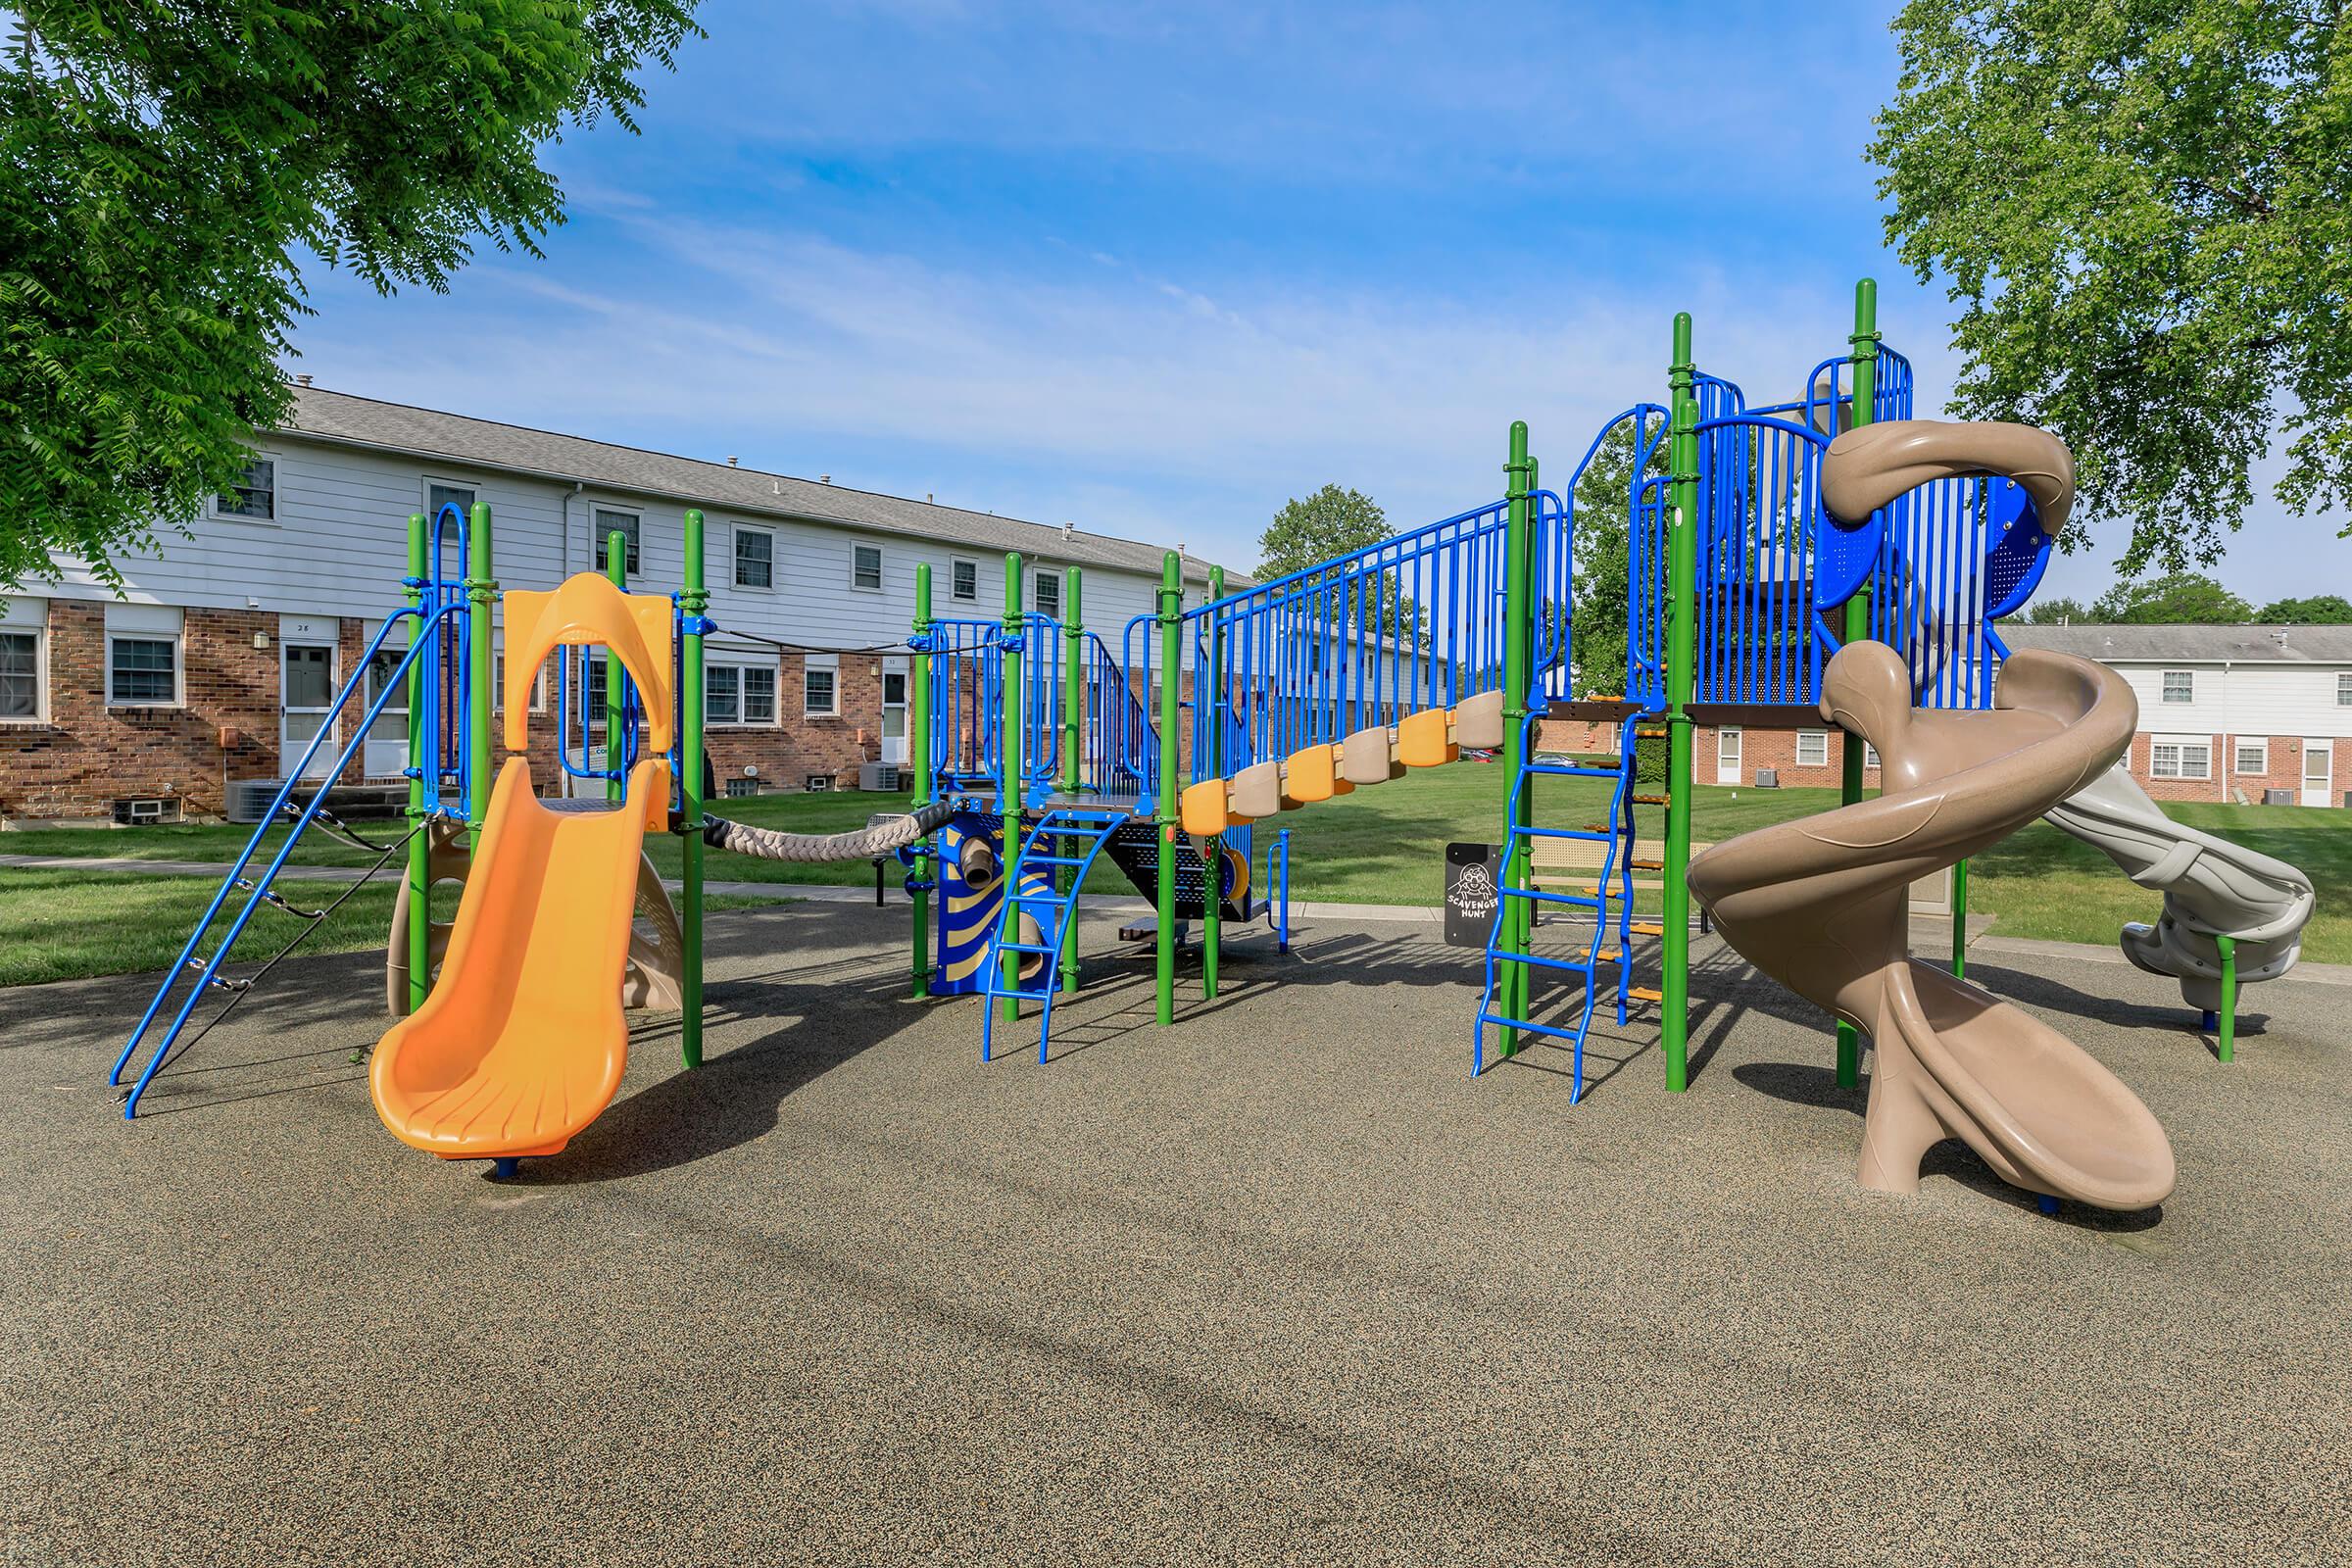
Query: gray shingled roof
395,426
2244,645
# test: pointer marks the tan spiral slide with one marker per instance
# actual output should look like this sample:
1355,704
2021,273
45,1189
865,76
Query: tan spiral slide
1822,904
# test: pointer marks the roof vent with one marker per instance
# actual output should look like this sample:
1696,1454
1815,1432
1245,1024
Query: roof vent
730,460
302,381
1068,528
824,478
931,496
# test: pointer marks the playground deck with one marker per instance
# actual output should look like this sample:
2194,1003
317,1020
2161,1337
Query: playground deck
1282,1285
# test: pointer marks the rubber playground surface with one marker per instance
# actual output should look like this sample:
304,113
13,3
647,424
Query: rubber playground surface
1280,1283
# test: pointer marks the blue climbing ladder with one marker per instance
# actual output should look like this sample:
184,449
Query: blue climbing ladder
1608,899
1087,829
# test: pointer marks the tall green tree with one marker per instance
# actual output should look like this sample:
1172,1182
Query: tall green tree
165,166
2318,609
2175,599
2143,209
2055,613
1603,547
1307,531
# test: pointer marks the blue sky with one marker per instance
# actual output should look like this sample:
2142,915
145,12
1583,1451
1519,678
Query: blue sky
1154,268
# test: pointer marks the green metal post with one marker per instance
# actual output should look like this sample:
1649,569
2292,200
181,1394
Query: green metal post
1172,670
1856,624
1073,718
1530,788
1681,634
481,598
918,747
617,571
1209,704
1517,927
421,757
1008,786
2226,1022
1960,920
693,599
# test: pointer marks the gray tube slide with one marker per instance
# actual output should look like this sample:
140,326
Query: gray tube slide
2211,887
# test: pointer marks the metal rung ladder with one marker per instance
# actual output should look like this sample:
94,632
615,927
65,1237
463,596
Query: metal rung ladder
1054,911
1609,896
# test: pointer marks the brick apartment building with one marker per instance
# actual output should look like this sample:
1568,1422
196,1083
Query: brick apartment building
2225,713
218,663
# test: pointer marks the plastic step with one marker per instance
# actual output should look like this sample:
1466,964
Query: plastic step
1654,799
1645,994
1649,734
1643,928
1645,865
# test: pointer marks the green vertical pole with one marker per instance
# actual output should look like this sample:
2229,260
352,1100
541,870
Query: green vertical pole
1073,717
1682,633
918,748
1517,927
617,571
1529,787
1172,670
1009,785
481,598
1960,920
1208,704
1856,624
693,599
420,759
2226,1022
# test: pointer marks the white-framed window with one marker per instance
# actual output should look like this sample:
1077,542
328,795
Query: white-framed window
2180,757
254,497
1869,755
498,683
866,568
2253,754
2179,686
754,557
1812,748
604,521
1045,593
820,686
439,494
739,694
2343,690
964,581
23,661
143,656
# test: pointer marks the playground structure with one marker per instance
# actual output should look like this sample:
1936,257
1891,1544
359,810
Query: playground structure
1828,557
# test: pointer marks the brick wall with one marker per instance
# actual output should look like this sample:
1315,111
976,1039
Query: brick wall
89,754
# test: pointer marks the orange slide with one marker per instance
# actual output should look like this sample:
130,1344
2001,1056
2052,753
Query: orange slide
523,1039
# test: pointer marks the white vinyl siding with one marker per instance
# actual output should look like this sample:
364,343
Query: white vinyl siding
2179,686
2253,756
1812,748
820,686
2180,757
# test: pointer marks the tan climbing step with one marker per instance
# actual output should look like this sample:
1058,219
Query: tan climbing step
1654,799
1642,928
1645,994
1645,865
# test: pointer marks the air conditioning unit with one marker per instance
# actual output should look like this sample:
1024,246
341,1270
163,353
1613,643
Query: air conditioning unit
249,797
146,813
2278,796
1768,778
885,777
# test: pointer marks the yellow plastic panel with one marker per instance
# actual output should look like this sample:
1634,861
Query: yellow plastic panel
1423,741
589,611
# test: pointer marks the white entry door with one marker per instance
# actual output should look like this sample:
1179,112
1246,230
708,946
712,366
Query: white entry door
307,691
894,716
2318,763
1727,756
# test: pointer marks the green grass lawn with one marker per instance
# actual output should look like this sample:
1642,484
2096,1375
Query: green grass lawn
1377,846
58,924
